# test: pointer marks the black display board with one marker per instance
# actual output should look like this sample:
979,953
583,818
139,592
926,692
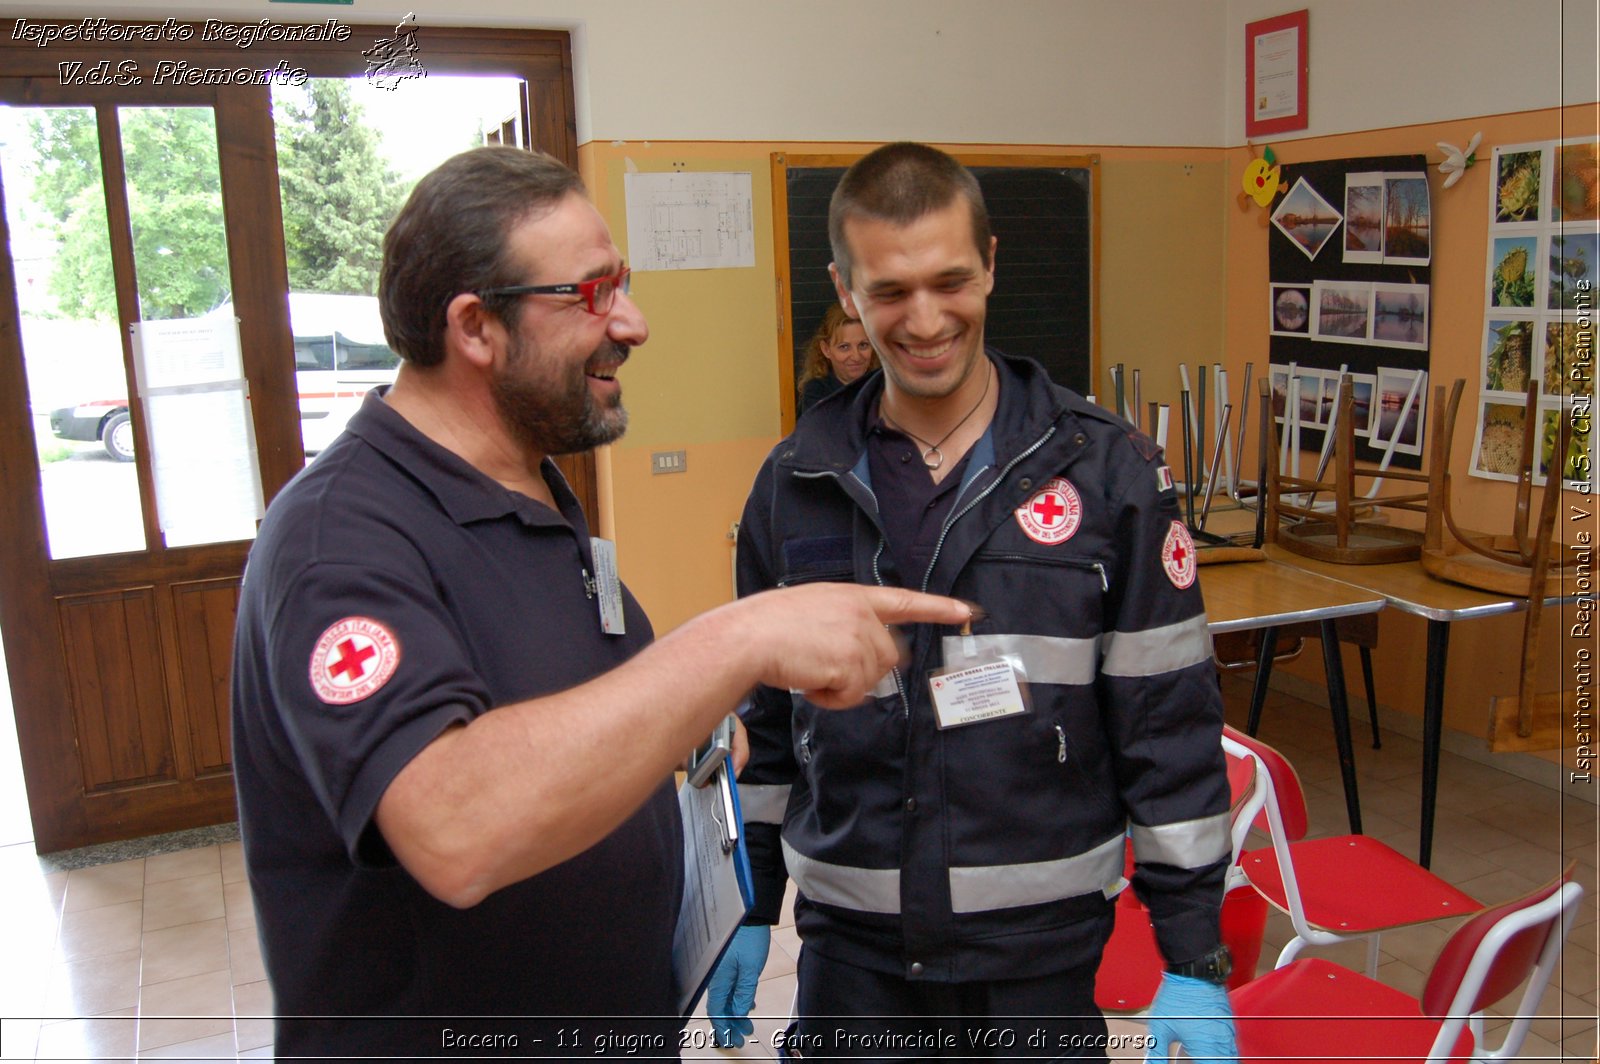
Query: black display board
1044,278
1389,259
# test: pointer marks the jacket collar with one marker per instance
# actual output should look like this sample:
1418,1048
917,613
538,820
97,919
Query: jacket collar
831,437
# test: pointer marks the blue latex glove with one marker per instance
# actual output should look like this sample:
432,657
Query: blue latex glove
732,991
1196,1013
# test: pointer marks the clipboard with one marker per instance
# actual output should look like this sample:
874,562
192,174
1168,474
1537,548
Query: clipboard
718,890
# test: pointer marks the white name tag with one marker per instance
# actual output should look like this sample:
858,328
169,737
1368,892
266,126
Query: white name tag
977,693
608,586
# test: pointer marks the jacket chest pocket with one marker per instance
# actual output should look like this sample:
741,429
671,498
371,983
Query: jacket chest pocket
1051,594
816,560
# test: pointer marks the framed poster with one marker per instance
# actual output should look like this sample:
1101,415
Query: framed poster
1275,72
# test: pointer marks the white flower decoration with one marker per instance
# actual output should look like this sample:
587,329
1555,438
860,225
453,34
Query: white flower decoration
1456,160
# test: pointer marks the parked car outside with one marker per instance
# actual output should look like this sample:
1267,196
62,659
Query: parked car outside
339,355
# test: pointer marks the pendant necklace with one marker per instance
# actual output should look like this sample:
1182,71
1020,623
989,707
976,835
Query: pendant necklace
932,457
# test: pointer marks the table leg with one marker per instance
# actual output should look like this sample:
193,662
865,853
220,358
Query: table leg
1258,693
1432,730
1339,706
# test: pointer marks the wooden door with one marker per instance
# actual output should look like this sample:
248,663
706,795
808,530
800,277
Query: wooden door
117,628
119,646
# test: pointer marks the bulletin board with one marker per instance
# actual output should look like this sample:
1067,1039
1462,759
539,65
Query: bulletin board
1543,265
1349,253
1045,212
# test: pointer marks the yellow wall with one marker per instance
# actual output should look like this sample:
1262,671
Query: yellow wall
1484,654
707,381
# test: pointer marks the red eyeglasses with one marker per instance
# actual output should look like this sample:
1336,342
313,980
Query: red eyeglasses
599,293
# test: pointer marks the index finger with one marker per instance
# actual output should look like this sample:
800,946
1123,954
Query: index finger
898,605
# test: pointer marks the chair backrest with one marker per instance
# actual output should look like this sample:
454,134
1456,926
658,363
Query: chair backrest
1286,789
1491,954
1247,793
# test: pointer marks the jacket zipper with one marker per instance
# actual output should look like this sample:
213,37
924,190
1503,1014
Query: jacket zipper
1073,563
976,499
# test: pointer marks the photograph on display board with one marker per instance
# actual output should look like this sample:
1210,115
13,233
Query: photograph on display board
1362,386
1407,220
1511,273
1363,218
1567,360
1280,391
1312,392
1306,218
1571,270
1401,395
1400,315
1497,452
1577,182
1341,311
1518,183
1290,310
1508,358
1575,469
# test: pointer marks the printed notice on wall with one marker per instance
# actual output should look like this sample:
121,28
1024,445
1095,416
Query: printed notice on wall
1276,92
689,221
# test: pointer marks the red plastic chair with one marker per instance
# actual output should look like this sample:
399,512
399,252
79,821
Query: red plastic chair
1337,888
1131,966
1314,1010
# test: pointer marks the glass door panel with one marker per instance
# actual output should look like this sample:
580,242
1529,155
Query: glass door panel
72,345
186,343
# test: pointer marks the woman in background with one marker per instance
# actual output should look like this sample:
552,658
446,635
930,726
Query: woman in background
839,353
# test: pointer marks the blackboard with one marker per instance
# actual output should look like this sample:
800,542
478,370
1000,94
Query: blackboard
1043,303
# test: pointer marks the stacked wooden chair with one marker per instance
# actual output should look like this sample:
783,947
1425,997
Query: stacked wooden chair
1526,562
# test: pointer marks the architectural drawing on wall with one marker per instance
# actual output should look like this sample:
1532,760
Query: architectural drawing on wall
689,221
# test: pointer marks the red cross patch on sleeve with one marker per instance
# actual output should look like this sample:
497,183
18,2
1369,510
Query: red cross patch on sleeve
354,659
1177,556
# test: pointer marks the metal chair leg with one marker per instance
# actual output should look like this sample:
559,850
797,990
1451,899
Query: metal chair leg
1372,696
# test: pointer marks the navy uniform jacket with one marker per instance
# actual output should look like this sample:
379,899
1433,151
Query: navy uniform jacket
992,850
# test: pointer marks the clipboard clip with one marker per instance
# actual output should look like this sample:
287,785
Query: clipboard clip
722,815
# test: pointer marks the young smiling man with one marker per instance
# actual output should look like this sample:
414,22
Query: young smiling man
453,745
957,840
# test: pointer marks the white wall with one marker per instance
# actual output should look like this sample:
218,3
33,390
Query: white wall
1382,63
1081,72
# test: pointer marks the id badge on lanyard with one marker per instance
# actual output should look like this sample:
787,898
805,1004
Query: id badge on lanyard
974,686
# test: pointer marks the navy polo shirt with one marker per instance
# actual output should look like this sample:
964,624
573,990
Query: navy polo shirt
394,591
911,507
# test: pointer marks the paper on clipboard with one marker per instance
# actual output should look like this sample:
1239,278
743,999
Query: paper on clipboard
717,888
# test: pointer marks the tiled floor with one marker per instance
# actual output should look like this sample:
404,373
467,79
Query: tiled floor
157,957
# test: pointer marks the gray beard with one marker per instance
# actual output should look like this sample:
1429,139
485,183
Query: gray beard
552,422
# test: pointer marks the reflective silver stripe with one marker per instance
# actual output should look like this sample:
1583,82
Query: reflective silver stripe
1157,650
763,803
869,890
886,688
1006,886
1046,658
1186,844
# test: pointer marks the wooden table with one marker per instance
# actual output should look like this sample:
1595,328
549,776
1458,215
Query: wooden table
1268,595
1407,587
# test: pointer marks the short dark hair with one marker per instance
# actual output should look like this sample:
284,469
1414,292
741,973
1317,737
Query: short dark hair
451,237
899,183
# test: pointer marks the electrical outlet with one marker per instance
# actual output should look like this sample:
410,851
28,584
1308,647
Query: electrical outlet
668,462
